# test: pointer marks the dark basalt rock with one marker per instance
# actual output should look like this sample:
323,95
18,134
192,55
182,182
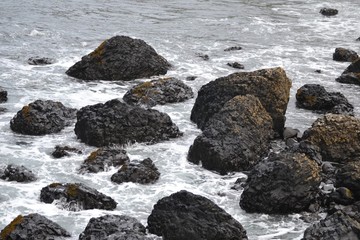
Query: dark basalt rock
137,172
119,123
120,58
329,11
33,227
344,55
285,183
184,215
17,173
337,136
76,196
114,227
315,97
160,91
271,86
349,176
235,138
40,61
351,75
64,151
235,48
103,158
236,65
3,95
42,117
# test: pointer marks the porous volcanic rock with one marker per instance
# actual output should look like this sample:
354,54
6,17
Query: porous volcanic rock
120,123
160,91
184,215
271,86
235,138
17,173
345,55
42,117
76,196
351,75
349,176
33,227
284,183
63,151
120,58
3,95
40,61
315,97
329,11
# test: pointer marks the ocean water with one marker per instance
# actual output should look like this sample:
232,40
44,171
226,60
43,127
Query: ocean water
287,33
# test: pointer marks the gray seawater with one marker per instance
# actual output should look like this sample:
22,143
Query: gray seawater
287,33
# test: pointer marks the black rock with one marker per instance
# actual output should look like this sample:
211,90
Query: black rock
329,11
17,173
191,78
64,151
42,117
3,95
236,65
119,123
160,91
33,227
318,71
120,58
345,55
358,39
351,75
138,172
40,61
76,196
235,48
183,216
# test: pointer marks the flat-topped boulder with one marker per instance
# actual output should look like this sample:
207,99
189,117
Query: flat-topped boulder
17,173
351,74
120,58
42,117
116,122
344,55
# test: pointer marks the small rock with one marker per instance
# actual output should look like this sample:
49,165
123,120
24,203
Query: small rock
345,55
318,71
329,11
17,173
40,61
64,151
236,65
290,133
358,39
203,56
3,95
191,78
235,48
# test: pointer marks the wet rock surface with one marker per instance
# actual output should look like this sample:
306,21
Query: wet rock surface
234,48
236,65
17,173
64,151
345,55
3,95
40,61
351,75
349,176
329,11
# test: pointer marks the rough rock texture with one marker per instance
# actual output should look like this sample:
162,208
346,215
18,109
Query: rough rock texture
76,196
17,173
351,74
236,65
184,215
119,123
64,151
235,138
42,117
160,91
137,172
337,136
315,97
3,95
344,55
285,183
33,227
113,227
40,61
349,176
329,11
271,86
120,58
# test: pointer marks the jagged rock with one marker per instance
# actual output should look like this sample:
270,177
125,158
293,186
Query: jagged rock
329,11
76,196
351,75
120,58
119,123
17,173
285,183
271,86
137,172
336,136
33,227
184,215
315,97
349,176
64,151
235,48
235,138
42,117
40,61
3,95
236,65
103,158
344,55
114,227
160,91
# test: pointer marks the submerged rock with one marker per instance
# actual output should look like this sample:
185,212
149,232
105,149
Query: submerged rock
40,61
64,151
17,173
42,117
329,11
120,58
3,95
184,215
160,91
235,48
344,55
119,123
33,227
236,65
351,75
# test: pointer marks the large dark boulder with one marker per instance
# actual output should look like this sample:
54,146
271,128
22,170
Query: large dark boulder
114,227
103,158
349,176
345,55
351,74
3,95
76,196
160,91
33,227
17,173
137,172
119,123
42,117
235,138
315,97
284,183
329,11
40,61
184,216
337,136
271,86
120,58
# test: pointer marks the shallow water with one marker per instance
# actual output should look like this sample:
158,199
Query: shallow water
287,33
